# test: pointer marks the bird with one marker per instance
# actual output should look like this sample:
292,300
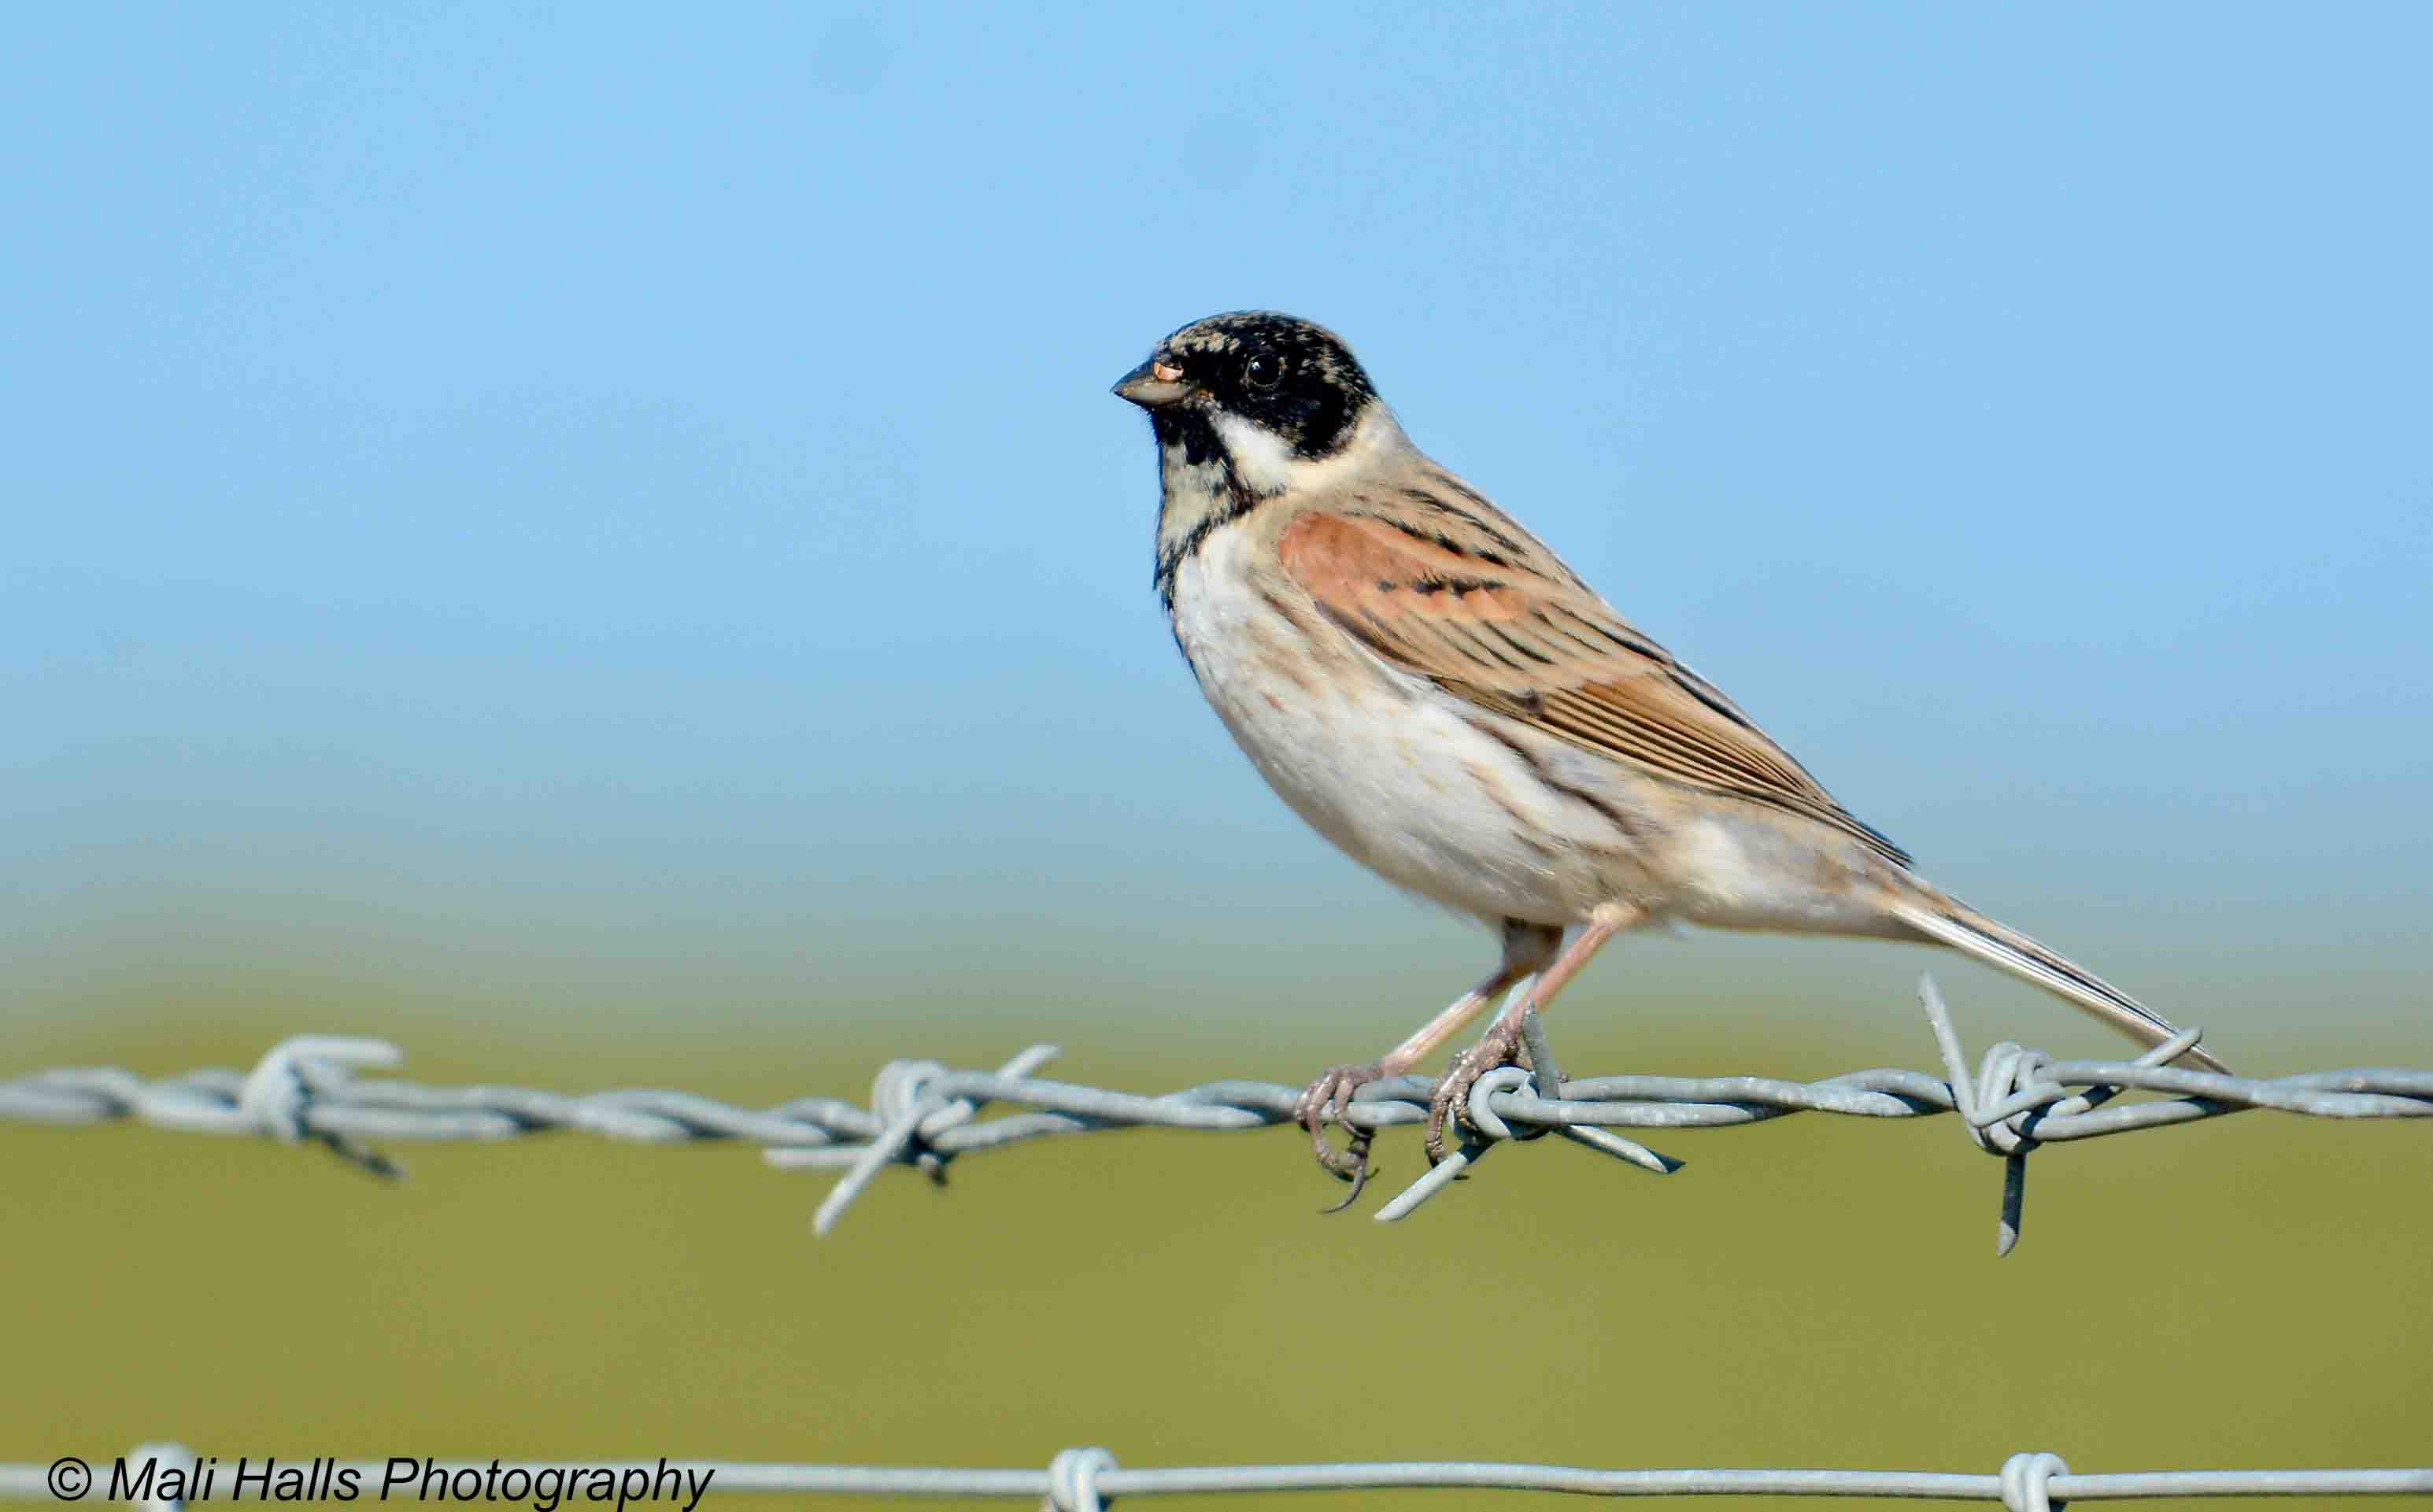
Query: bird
1435,692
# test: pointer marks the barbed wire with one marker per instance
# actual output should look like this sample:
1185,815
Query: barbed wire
923,1114
1084,1480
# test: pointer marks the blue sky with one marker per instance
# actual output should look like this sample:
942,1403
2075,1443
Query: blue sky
575,496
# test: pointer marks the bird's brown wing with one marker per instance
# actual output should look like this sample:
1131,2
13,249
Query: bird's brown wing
1456,592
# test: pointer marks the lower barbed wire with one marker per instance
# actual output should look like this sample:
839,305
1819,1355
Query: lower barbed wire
1083,1479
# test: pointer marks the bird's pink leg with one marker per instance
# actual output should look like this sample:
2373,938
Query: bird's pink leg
1527,947
1502,1038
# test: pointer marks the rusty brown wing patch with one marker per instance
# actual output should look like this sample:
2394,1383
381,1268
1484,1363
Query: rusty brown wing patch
1520,635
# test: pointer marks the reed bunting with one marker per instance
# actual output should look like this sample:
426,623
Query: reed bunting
1437,695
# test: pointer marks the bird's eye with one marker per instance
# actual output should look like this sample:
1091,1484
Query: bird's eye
1263,370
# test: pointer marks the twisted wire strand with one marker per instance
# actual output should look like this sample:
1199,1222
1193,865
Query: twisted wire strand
924,1114
1083,1479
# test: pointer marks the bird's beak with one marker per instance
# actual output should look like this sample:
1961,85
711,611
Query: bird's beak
1154,383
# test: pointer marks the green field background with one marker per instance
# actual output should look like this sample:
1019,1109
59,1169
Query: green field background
1811,1292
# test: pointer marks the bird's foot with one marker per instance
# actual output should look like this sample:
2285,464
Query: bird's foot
1449,1102
1330,1097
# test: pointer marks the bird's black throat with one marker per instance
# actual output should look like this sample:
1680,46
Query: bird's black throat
1194,475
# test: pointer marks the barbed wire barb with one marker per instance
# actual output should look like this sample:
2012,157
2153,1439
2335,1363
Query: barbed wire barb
923,1114
1986,1112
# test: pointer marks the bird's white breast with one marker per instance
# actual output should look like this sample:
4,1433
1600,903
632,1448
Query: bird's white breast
1380,762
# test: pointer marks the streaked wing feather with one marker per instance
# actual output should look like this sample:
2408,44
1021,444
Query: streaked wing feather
1476,605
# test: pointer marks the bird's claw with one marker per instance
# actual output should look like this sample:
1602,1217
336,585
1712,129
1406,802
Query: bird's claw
1449,1100
1330,1097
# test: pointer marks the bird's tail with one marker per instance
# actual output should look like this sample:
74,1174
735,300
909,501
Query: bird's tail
1949,922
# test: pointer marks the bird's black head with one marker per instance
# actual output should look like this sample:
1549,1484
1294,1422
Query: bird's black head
1293,383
